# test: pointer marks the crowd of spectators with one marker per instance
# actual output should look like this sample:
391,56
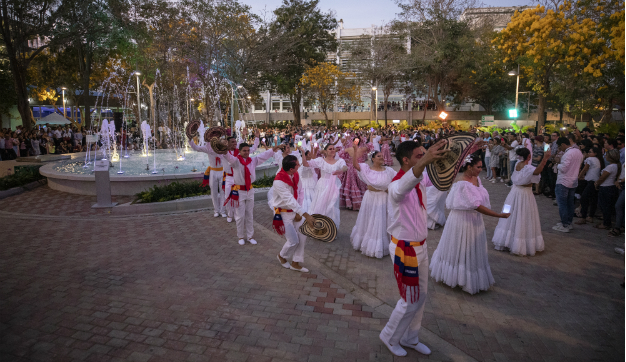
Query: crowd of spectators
40,141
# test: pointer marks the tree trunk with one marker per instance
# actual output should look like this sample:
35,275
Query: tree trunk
86,118
541,106
295,99
426,105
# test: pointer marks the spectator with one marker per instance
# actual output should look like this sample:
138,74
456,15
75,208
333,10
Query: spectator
537,156
589,175
607,190
619,207
620,147
566,182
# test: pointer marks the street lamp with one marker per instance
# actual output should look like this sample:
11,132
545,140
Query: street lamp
375,89
232,108
516,73
63,93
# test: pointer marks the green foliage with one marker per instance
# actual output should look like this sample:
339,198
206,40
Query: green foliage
180,190
610,128
22,176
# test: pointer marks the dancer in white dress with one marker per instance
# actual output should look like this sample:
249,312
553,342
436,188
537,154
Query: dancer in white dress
521,233
326,197
370,231
308,178
435,205
461,256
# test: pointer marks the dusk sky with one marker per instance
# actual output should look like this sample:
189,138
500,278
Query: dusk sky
362,13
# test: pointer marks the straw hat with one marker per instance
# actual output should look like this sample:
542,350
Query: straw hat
214,132
192,129
325,229
443,172
217,145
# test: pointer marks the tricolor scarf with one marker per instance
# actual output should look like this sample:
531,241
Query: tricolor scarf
277,224
207,173
234,190
417,187
405,269
235,153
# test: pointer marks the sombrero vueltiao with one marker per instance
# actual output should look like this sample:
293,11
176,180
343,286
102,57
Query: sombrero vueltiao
192,129
325,229
212,132
443,172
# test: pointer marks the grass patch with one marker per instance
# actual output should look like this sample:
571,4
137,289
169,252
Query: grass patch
180,190
23,175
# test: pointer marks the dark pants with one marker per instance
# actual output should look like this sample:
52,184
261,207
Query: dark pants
588,200
607,197
552,182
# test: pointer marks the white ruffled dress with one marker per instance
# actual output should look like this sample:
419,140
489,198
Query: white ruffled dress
308,177
436,207
369,234
326,195
461,256
521,232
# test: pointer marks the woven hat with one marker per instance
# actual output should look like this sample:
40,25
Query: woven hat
217,145
214,132
325,229
192,129
443,172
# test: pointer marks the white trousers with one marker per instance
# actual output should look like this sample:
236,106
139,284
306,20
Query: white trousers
406,319
217,195
228,183
243,215
294,246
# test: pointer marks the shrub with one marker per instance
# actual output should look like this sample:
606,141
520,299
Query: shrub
23,175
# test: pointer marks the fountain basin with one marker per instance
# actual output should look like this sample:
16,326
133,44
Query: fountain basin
70,175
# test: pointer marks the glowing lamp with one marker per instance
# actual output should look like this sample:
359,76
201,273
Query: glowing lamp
513,113
443,115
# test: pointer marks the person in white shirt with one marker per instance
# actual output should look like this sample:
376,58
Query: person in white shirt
213,177
286,199
566,182
512,156
406,224
228,181
241,195
590,173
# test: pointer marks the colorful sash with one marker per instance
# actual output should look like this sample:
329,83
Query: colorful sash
417,187
207,174
277,223
405,268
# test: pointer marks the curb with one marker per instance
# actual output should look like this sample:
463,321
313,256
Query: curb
18,190
431,339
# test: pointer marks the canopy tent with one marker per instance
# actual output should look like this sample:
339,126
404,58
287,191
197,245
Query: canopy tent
53,118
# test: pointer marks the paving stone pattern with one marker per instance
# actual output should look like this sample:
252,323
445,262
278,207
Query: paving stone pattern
177,287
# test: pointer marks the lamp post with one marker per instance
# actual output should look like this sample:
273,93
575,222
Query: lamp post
63,94
375,89
516,73
232,109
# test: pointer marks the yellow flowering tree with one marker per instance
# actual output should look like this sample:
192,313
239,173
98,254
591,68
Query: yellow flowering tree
325,84
566,46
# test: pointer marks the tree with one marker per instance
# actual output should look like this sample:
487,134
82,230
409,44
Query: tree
379,61
546,43
24,26
326,84
304,33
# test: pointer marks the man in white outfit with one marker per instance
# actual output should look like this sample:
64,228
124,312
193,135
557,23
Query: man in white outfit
241,195
286,199
233,149
216,169
407,221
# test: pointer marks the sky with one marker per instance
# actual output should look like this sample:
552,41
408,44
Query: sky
361,13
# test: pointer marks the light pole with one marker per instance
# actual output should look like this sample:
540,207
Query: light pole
516,73
138,73
375,89
232,109
63,93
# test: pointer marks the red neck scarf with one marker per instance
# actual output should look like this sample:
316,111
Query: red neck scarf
417,187
245,162
293,182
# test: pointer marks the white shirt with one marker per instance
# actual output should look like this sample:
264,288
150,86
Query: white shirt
612,170
282,196
512,154
406,217
569,168
239,173
213,157
376,143
529,145
593,173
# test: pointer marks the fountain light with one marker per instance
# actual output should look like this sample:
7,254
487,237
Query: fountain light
239,86
137,73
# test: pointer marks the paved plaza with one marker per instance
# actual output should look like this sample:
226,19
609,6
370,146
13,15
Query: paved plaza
79,284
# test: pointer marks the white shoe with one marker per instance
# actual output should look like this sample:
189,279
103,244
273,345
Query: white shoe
569,227
241,241
302,269
217,214
501,180
619,251
395,350
223,215
493,180
286,265
229,219
420,347
252,241
560,228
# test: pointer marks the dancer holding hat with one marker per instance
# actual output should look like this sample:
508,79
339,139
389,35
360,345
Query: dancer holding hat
213,176
241,196
407,226
286,199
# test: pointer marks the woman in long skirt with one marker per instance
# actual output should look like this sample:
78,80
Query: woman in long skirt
308,177
386,151
461,256
369,234
326,196
436,207
352,187
521,233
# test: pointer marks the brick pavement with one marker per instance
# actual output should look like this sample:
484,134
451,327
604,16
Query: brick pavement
177,287
565,303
